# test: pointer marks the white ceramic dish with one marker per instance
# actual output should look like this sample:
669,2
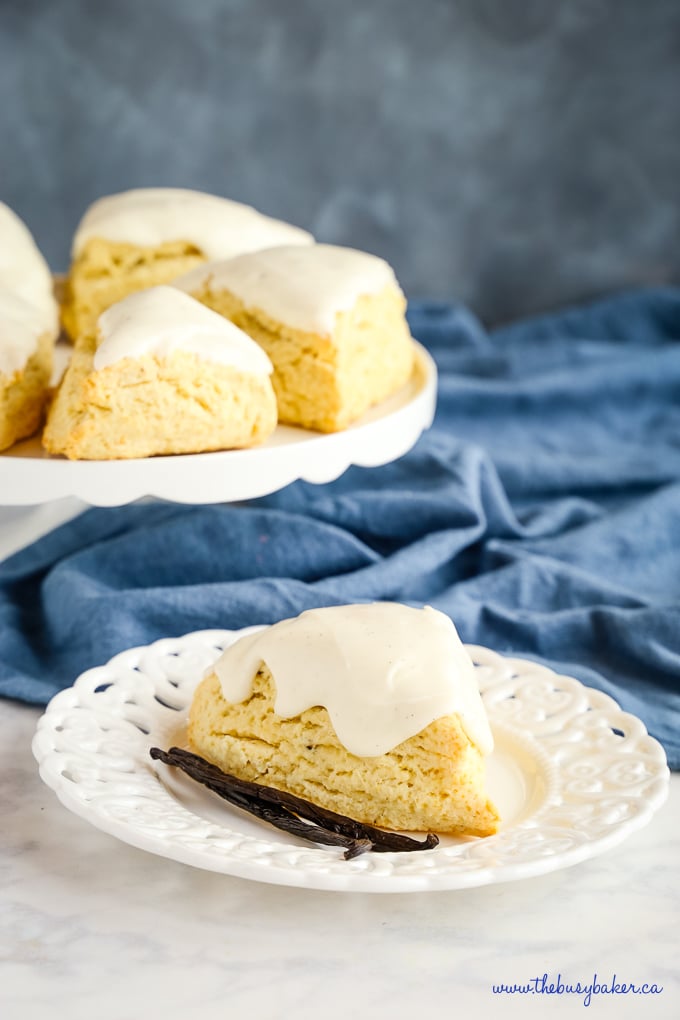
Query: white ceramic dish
572,776
29,476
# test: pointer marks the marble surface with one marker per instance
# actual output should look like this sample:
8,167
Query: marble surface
90,927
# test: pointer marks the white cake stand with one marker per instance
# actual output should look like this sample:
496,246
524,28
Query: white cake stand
29,476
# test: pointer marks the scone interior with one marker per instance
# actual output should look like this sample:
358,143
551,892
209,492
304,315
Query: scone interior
24,394
332,321
151,396
327,382
105,272
433,780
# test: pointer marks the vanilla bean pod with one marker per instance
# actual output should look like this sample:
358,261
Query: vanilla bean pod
289,809
275,814
285,820
290,823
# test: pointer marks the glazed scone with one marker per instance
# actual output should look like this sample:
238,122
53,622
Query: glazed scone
372,711
331,319
162,375
149,236
28,330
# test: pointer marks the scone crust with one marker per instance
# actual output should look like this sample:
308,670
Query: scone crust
433,781
142,407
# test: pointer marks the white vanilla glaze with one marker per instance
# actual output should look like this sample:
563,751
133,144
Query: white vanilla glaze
21,326
383,671
217,226
27,305
23,270
161,320
304,288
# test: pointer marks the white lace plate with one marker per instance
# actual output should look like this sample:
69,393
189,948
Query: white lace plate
29,476
572,775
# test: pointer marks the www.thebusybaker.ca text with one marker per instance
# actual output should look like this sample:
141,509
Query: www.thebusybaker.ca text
545,986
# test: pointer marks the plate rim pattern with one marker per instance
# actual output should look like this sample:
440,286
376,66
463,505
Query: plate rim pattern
603,777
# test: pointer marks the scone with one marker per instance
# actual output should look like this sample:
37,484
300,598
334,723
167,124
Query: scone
331,319
149,236
372,711
162,375
28,329
26,354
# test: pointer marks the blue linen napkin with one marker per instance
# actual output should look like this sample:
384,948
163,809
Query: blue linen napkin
541,512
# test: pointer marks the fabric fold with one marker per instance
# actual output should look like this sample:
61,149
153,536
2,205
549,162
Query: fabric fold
541,512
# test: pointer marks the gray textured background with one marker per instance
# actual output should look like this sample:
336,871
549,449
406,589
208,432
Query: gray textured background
515,154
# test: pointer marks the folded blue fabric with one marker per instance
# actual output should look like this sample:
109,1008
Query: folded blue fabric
542,512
